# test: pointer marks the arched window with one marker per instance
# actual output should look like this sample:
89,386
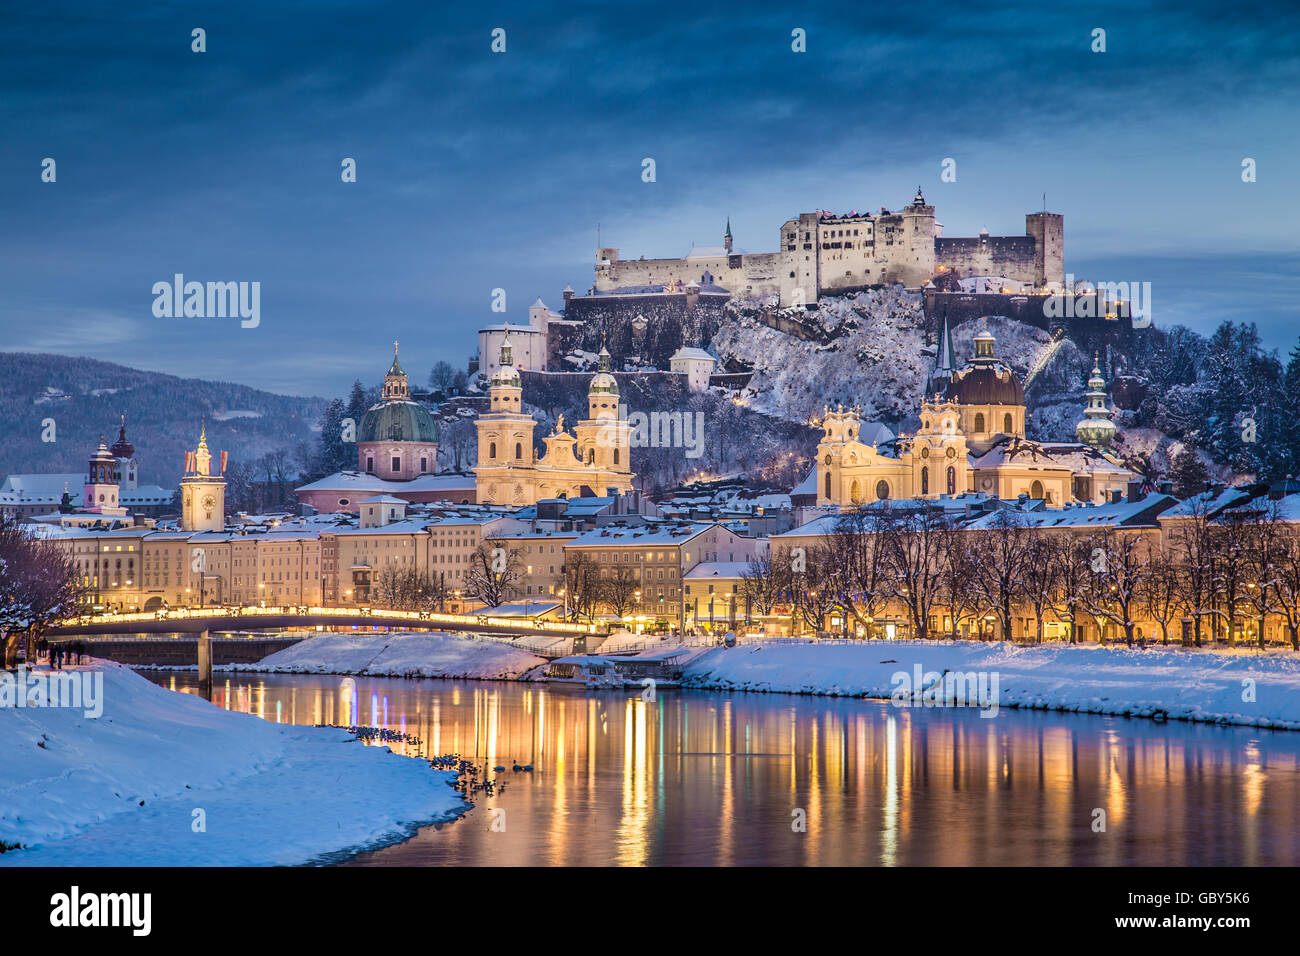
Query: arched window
519,450
591,456
1036,490
855,494
828,486
882,489
952,480
925,481
492,449
979,421
1006,423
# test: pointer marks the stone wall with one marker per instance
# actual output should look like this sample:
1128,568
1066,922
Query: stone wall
671,321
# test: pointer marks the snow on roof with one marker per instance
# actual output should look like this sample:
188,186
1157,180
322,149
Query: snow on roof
519,609
719,569
809,484
383,500
1207,502
357,482
692,353
639,536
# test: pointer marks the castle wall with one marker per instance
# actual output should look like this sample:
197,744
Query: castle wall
1010,256
672,321
741,274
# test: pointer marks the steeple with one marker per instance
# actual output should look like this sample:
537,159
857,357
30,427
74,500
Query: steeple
984,346
726,239
944,364
1096,428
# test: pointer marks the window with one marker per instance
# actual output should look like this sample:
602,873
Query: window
1036,490
882,490
519,450
854,492
424,464
828,486
1006,423
492,449
370,464
616,456
952,480
979,421
397,463
925,481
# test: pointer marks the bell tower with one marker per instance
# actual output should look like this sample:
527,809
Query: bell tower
203,492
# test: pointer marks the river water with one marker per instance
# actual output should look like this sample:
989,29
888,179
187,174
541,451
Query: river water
714,778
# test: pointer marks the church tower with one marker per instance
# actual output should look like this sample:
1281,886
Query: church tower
124,452
203,492
603,436
100,491
1096,428
505,437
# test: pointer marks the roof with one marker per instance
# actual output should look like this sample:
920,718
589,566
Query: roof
641,535
357,482
992,384
692,353
719,569
383,500
398,419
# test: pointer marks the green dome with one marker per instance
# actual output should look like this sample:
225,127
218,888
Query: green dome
400,420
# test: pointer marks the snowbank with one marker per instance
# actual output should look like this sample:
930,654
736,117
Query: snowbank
124,789
399,655
1180,684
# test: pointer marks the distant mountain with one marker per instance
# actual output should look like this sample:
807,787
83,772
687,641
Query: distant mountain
86,398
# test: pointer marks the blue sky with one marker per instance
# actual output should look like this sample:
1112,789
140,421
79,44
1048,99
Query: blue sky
479,170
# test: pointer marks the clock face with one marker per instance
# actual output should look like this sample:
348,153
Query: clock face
209,502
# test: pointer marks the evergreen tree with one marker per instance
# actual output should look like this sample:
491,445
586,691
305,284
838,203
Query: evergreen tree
335,454
1188,473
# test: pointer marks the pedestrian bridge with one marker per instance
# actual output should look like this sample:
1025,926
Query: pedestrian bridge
197,620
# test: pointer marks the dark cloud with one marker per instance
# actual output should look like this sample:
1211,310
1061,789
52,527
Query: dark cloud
479,171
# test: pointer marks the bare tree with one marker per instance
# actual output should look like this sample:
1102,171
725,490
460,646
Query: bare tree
1287,581
1041,578
582,585
917,541
1001,554
1162,592
1198,558
1119,569
761,581
494,572
1071,553
618,591
39,584
1262,548
857,573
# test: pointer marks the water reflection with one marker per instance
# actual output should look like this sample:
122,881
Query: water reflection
695,777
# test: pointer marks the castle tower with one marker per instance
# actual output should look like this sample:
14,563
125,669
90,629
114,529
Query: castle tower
603,436
124,452
1048,230
505,438
203,492
1096,428
913,264
100,490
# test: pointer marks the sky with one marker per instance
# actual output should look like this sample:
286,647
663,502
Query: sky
478,170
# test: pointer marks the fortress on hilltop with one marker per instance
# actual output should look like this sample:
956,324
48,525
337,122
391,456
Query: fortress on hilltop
821,253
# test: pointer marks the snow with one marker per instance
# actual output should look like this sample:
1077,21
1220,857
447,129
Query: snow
123,788
400,655
1181,684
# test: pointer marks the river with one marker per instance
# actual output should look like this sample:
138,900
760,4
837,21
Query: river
713,778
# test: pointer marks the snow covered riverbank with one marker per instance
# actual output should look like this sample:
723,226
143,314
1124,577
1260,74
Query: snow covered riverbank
164,778
1258,689
398,654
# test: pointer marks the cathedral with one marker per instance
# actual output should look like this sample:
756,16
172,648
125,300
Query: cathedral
971,439
593,460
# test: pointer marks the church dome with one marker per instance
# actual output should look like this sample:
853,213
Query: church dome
984,380
398,420
992,384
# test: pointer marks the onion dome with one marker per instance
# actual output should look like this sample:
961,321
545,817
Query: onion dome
122,448
603,381
1096,428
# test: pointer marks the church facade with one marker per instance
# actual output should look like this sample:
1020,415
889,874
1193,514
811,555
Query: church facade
971,439
592,460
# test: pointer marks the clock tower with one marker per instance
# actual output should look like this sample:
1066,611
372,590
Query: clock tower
203,492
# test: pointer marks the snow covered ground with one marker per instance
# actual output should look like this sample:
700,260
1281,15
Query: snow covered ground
130,787
1261,689
399,655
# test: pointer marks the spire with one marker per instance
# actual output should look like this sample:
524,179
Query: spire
396,385
507,353
1096,428
726,239
943,361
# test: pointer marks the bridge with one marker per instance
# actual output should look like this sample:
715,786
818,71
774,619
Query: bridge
196,620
